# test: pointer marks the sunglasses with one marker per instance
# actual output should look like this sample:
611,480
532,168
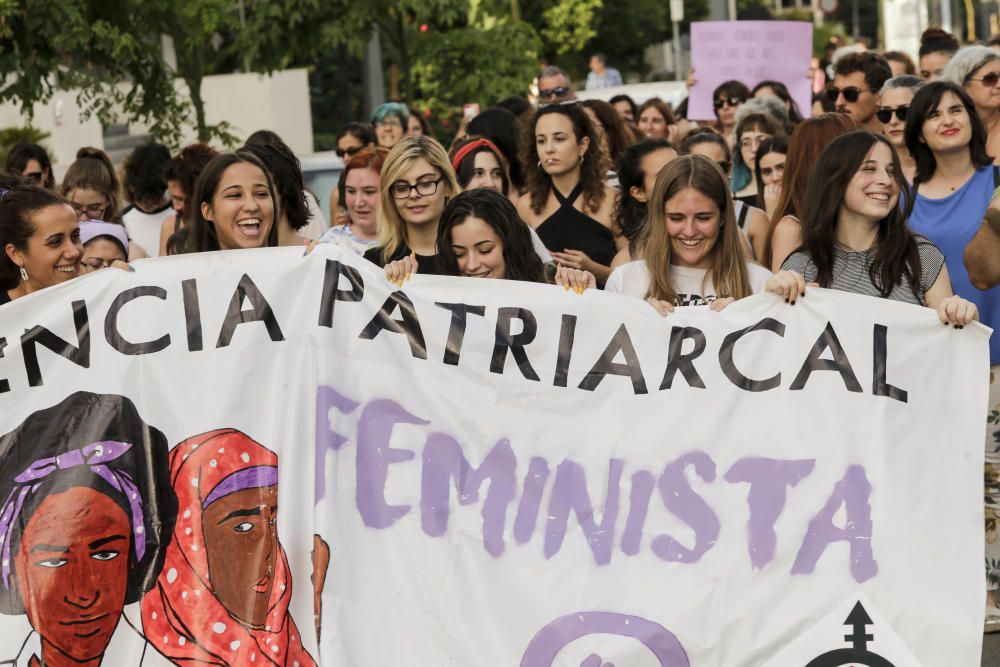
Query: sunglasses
731,101
350,152
553,92
851,93
989,80
885,115
34,177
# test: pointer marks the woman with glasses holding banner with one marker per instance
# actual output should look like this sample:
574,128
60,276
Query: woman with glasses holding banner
894,103
954,185
417,181
977,70
566,201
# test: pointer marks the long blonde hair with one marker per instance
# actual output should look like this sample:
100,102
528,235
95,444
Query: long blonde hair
391,227
729,269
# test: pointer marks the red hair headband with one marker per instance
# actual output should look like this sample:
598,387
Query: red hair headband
471,146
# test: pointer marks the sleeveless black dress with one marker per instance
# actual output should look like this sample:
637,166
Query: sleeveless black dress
571,229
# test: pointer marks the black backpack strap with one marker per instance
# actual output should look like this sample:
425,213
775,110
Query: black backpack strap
742,218
996,176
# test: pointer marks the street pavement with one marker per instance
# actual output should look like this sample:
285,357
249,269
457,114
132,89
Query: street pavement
991,650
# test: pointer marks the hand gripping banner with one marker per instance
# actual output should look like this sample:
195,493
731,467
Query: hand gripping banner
259,458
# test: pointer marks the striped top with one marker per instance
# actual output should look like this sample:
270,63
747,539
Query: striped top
850,272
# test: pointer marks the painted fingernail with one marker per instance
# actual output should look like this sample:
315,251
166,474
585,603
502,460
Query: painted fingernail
956,326
131,268
407,276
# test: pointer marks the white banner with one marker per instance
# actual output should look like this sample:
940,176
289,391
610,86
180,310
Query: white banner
481,473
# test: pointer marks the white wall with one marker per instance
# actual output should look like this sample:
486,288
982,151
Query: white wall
60,117
249,102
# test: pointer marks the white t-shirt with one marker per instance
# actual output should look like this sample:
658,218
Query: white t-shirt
694,286
144,228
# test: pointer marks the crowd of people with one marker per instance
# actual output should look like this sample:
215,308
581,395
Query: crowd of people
887,189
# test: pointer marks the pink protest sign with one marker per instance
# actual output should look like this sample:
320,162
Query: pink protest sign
750,51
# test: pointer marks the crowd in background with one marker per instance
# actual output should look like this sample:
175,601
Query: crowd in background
887,189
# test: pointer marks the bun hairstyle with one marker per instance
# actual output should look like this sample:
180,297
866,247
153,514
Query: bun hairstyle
93,170
936,40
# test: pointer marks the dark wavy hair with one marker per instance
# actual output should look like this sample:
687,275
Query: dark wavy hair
145,173
79,420
17,207
22,153
895,255
186,166
200,234
286,175
613,126
925,102
630,213
538,183
521,262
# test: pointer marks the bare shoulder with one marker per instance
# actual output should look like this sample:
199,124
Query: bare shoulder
525,211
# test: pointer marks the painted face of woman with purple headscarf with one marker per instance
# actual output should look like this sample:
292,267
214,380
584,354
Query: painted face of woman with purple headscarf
77,577
85,513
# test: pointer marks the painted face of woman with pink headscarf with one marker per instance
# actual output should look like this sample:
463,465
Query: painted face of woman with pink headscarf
224,592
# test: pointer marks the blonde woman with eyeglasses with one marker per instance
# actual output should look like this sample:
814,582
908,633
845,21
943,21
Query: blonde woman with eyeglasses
416,183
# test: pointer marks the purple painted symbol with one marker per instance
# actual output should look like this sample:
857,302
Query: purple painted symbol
554,637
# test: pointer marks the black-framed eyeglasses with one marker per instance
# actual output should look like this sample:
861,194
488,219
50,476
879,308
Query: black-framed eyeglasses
884,114
349,152
731,101
547,93
988,80
93,211
403,190
34,176
851,93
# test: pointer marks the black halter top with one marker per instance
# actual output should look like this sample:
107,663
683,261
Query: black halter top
571,229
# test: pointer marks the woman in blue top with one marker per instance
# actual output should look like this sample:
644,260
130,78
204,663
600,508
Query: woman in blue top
954,183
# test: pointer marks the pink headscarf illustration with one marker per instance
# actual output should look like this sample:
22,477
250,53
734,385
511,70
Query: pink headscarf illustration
222,596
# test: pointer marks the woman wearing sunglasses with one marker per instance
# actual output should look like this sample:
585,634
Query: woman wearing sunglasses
954,184
895,102
977,70
726,99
